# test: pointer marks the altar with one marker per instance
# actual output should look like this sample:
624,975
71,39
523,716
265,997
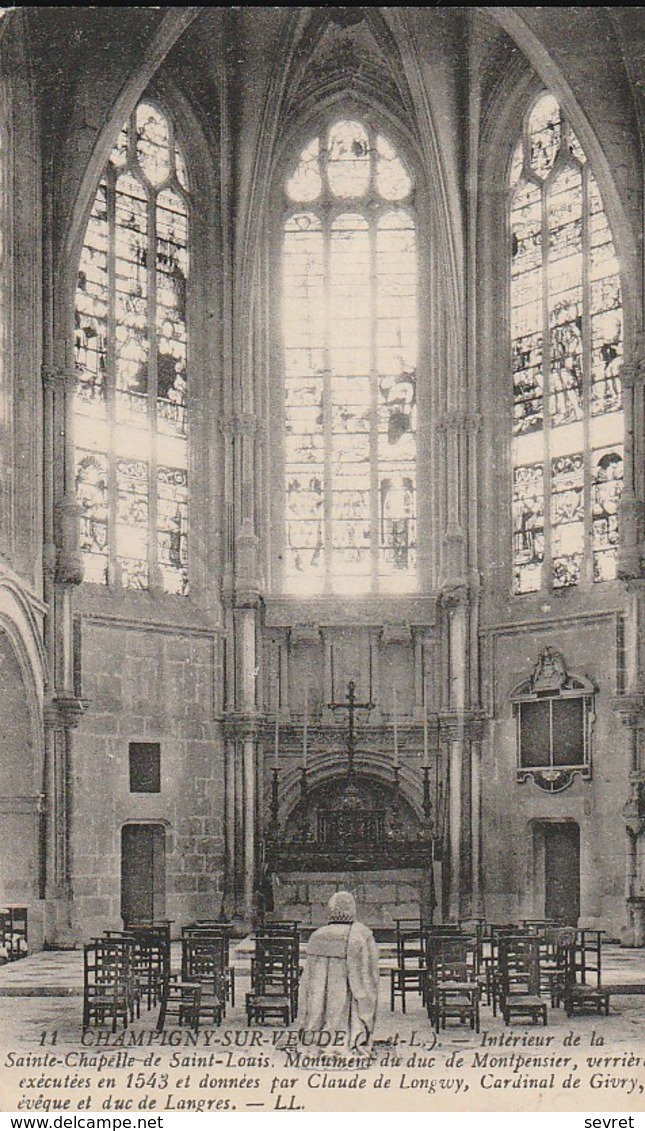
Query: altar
382,895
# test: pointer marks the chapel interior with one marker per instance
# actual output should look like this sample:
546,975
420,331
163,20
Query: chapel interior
322,490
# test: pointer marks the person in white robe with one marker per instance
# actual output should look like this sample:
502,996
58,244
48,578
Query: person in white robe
339,989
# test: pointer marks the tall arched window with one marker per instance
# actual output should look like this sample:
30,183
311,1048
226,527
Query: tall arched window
566,330
131,360
350,328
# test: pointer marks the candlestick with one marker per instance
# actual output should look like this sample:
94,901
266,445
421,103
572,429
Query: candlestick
396,728
304,825
276,749
274,827
276,744
425,724
304,732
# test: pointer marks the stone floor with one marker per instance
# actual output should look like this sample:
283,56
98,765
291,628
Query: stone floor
44,1056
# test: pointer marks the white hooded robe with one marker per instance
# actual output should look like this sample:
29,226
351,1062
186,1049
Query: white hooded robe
339,989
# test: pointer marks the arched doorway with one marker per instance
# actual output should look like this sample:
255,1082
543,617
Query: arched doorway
143,873
557,870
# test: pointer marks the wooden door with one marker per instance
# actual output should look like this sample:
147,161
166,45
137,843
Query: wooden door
562,872
143,873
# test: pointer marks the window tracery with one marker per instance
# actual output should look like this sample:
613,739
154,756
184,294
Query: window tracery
131,360
566,334
349,326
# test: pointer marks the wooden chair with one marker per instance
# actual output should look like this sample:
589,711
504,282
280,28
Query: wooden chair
491,967
219,936
519,978
409,972
452,987
583,989
203,960
16,933
180,1000
274,980
151,960
107,984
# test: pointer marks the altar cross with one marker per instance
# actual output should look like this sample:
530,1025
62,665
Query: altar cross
351,706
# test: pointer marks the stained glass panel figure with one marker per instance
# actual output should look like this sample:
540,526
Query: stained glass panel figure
172,528
131,296
566,316
567,518
528,527
132,361
92,495
564,219
606,311
606,492
350,328
172,274
132,522
91,312
526,308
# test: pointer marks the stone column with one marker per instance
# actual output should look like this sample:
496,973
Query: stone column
61,716
229,825
455,773
249,778
455,604
476,907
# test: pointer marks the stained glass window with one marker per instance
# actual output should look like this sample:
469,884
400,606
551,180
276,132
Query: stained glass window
566,344
350,327
132,363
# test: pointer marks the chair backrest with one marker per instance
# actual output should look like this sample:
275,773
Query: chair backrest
107,961
289,937
273,951
519,958
203,956
589,954
455,960
410,948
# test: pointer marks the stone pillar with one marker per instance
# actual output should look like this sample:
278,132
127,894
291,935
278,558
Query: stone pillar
454,720
249,778
455,773
61,716
229,826
476,905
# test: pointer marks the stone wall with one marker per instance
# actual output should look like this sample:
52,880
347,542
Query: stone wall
511,810
381,896
153,685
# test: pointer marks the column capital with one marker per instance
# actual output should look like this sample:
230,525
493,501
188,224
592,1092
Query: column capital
240,424
455,595
470,725
633,373
242,727
56,377
64,712
458,420
630,708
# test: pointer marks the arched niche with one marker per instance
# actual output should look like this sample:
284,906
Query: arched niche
365,810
